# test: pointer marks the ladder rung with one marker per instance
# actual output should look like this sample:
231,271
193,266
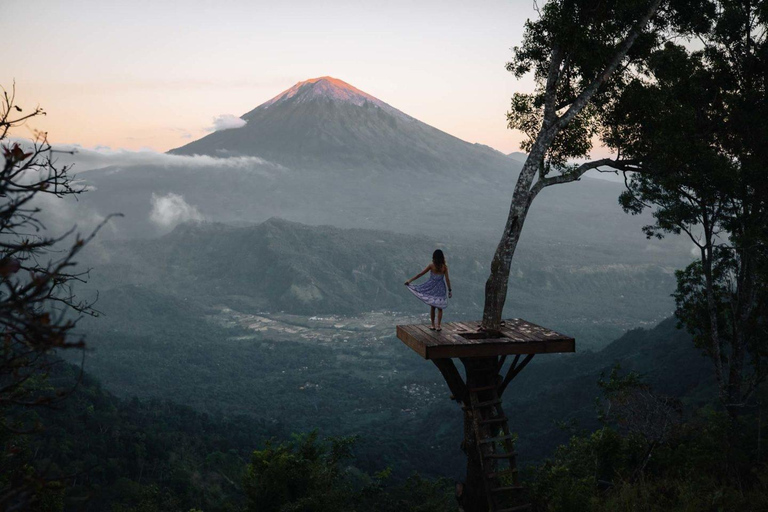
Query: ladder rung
483,388
494,420
489,403
500,455
502,473
518,508
497,439
508,488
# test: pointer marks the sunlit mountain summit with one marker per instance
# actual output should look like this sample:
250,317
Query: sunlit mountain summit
326,88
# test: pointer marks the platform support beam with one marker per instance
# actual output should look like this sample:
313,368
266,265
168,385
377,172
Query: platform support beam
452,378
482,373
513,370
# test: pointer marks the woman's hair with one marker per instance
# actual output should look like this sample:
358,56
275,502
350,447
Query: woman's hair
438,258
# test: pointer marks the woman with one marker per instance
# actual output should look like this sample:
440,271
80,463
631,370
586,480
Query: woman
434,292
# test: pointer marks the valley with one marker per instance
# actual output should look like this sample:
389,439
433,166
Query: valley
270,287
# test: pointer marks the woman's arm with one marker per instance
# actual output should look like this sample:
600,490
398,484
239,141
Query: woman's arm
448,282
419,275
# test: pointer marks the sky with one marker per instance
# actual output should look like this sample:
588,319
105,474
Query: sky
138,74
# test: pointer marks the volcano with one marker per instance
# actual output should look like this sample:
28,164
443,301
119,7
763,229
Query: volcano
326,123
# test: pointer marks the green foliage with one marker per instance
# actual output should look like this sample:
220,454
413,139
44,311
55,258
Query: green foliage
573,141
307,475
567,482
612,468
99,452
416,494
301,475
130,455
697,119
579,38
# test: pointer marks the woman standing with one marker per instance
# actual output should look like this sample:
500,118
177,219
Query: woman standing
436,290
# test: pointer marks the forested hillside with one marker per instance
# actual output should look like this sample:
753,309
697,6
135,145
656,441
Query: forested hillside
368,384
281,266
150,453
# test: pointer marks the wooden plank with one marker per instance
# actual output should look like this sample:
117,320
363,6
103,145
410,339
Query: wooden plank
466,327
532,332
447,337
518,329
457,327
416,345
536,330
429,336
514,333
433,339
430,341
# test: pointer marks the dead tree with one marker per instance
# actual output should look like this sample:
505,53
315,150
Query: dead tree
38,308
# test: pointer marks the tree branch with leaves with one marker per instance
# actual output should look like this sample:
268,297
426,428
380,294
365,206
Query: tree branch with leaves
581,54
698,122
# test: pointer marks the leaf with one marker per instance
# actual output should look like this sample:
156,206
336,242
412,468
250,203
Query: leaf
9,266
15,154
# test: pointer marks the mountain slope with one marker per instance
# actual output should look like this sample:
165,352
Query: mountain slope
325,123
285,266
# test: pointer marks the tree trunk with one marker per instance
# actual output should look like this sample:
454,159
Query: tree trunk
496,285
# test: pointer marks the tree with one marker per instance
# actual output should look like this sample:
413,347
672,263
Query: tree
307,474
300,475
581,53
38,308
698,121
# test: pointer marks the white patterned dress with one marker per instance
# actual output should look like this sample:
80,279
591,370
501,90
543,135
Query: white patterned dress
432,292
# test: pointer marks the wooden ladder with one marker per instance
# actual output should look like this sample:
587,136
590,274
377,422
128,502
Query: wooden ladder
495,444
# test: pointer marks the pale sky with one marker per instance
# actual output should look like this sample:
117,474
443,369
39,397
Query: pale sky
153,74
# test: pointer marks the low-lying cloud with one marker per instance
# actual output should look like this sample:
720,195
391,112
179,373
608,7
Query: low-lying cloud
171,209
86,159
227,122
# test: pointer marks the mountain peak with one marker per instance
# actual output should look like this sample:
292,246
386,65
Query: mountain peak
325,87
327,124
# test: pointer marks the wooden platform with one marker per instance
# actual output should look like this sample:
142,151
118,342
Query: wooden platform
464,339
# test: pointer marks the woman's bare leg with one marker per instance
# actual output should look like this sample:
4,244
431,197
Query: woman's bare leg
432,315
439,317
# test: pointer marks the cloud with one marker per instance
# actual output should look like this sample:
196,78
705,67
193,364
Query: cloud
172,209
99,157
226,122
